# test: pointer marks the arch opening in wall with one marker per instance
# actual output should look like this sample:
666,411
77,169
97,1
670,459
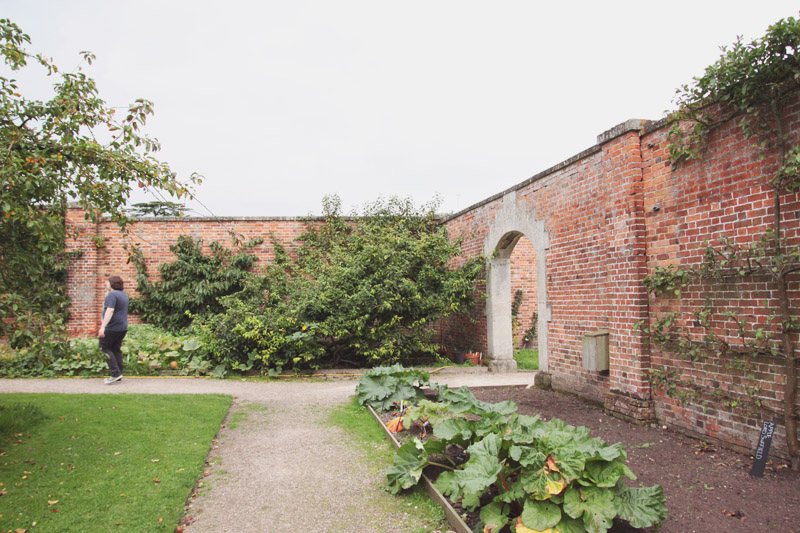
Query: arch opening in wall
524,296
515,237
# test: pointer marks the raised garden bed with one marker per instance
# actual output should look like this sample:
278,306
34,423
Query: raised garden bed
502,471
456,521
707,487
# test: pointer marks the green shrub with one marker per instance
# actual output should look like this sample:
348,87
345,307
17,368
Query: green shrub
193,284
374,284
361,291
146,350
250,338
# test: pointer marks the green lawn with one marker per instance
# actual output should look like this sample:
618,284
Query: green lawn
527,359
104,462
365,433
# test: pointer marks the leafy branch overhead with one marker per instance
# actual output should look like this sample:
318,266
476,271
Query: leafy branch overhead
753,87
70,148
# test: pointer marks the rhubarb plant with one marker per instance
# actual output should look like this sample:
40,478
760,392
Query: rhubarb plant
382,387
521,471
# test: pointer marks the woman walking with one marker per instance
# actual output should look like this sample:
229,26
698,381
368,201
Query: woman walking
114,327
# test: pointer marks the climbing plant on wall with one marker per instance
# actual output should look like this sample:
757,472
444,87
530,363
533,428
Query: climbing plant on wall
192,285
70,148
754,85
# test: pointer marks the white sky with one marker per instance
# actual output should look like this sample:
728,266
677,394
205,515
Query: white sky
279,103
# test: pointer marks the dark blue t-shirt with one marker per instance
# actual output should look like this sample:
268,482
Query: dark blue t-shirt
117,300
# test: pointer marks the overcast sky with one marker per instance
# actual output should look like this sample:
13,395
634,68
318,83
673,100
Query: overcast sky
278,103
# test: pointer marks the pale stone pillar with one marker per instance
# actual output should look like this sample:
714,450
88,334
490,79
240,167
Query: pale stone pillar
499,335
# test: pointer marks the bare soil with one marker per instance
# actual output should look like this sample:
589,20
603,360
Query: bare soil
708,488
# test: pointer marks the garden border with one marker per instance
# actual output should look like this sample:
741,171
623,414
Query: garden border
452,516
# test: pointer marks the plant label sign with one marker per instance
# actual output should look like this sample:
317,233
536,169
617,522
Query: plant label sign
760,459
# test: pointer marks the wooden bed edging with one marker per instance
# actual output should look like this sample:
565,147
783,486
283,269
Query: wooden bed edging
452,516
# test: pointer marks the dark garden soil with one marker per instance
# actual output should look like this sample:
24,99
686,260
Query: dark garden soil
708,488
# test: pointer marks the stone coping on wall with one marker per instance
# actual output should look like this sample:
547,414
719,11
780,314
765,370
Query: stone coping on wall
640,125
73,205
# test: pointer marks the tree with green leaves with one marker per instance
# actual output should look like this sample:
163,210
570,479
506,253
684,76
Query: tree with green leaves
194,284
71,148
756,86
364,290
376,284
158,208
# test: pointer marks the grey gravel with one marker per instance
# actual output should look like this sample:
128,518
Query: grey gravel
276,465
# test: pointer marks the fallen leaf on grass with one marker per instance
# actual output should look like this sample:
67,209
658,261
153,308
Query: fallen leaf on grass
160,520
153,460
156,480
53,510
52,502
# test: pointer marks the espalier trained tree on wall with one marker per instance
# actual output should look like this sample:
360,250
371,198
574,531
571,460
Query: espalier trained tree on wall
70,148
756,85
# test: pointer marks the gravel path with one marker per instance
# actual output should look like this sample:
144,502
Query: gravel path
277,466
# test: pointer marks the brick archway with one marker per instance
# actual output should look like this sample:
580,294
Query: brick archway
512,222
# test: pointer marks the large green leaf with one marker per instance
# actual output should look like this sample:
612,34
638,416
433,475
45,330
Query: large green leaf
527,456
463,401
540,515
598,449
641,507
448,484
570,463
605,474
488,446
458,429
494,516
479,473
406,469
520,429
373,391
570,525
545,482
381,387
595,506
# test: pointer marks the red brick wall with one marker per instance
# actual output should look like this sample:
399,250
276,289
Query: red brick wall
523,278
86,277
724,194
613,213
